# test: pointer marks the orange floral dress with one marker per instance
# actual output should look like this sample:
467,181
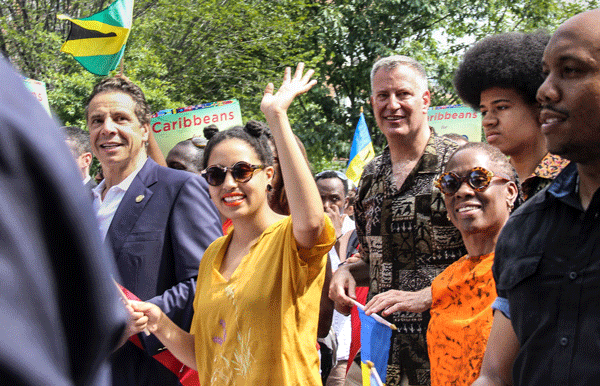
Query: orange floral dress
461,320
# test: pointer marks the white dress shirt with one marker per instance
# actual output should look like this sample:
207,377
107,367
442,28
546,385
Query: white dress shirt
106,209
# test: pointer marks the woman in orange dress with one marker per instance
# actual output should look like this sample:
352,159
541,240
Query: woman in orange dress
480,190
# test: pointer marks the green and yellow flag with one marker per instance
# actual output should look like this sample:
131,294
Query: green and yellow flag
98,42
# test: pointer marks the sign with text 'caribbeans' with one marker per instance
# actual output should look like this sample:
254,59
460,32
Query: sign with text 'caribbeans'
175,125
458,119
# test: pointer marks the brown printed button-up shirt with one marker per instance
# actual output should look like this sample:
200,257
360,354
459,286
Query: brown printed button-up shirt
543,175
407,240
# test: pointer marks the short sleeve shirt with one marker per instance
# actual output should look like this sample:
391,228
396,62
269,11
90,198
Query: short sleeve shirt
260,326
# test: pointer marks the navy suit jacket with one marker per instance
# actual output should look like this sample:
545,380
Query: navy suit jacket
158,235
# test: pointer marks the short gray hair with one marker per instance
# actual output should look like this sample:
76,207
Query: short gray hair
390,62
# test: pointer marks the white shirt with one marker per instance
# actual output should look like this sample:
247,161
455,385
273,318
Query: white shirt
340,323
348,225
106,209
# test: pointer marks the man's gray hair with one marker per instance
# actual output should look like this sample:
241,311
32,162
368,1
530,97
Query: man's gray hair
390,62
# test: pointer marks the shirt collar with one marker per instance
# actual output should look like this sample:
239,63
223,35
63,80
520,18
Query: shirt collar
430,151
566,182
549,167
123,185
427,163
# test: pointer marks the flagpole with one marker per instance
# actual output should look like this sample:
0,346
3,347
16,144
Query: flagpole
375,316
375,374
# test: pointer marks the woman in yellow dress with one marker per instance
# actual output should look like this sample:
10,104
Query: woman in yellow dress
258,292
480,190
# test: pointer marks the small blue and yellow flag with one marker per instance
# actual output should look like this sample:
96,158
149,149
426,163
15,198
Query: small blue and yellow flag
98,42
361,151
375,339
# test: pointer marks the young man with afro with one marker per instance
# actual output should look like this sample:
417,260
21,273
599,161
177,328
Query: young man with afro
500,76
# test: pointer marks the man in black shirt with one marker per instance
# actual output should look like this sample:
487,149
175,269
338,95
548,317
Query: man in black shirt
547,269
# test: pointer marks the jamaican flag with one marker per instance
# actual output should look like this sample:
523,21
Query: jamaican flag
98,41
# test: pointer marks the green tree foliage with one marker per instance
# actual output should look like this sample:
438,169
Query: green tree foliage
31,37
219,49
185,52
354,33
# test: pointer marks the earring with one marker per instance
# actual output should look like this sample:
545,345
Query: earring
448,216
510,206
269,187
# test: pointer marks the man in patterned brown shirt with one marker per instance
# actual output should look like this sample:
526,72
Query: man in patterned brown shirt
406,237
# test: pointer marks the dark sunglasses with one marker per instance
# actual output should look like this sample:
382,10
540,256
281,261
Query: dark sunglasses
478,178
241,172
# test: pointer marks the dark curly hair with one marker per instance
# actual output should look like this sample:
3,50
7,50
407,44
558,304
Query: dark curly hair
210,131
123,84
507,60
254,133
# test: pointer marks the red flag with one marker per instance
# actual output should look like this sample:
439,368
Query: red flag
361,297
187,376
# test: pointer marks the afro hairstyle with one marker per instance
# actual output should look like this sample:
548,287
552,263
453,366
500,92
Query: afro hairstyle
507,60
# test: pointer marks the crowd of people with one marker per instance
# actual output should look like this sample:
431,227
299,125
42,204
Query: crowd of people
229,263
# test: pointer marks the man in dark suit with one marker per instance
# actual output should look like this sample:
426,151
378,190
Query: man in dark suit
78,142
158,221
60,314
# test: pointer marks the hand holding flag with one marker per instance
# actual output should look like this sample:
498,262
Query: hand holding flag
187,376
375,316
126,301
